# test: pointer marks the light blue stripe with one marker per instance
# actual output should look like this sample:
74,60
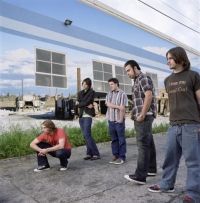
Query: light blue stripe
76,47
32,18
36,19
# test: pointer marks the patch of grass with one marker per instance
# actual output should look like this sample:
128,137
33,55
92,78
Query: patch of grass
100,131
75,136
160,128
16,141
130,133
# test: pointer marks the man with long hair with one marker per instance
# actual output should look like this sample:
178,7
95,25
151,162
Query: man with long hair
86,112
53,141
183,88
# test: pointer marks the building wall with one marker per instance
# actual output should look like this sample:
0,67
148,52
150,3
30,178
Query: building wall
23,31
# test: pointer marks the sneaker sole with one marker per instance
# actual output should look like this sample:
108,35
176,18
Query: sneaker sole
151,174
134,181
154,191
118,163
38,171
111,162
63,169
159,191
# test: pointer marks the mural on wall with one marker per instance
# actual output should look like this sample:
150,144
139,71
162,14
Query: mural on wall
109,45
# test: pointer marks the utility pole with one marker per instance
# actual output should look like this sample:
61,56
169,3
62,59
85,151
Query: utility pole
78,79
22,88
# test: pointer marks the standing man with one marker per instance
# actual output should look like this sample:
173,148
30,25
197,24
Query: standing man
86,112
143,114
183,88
116,100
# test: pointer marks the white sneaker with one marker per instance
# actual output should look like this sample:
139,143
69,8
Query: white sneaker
63,168
117,162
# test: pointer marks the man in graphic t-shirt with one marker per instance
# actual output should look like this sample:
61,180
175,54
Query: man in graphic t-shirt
183,88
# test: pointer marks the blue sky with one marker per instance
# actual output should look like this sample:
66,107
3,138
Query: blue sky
17,53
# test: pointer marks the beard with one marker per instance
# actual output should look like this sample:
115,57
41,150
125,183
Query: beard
172,67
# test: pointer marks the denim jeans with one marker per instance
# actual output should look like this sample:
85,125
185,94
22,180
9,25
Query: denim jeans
183,139
118,141
62,154
85,124
146,161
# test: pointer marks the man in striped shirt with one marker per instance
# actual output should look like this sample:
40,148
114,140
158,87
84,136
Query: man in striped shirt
116,100
143,114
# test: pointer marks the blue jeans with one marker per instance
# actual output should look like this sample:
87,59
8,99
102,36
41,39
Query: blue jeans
146,161
62,154
85,124
183,139
118,141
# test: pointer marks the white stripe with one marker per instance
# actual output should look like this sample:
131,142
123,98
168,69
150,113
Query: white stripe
55,36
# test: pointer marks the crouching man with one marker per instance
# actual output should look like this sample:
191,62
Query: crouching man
52,141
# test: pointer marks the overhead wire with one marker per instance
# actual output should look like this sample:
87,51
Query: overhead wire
198,32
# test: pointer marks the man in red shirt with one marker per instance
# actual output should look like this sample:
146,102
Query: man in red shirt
52,141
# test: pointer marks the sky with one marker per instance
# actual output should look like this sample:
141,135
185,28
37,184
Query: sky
179,19
17,53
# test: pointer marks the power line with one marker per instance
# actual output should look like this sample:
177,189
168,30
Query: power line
169,17
178,11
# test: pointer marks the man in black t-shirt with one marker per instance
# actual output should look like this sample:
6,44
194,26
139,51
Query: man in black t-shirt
183,88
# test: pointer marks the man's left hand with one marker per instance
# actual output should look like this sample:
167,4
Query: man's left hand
140,118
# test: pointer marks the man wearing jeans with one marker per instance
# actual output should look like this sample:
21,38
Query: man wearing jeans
53,141
183,88
116,100
143,114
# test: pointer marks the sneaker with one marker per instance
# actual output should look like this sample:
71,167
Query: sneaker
113,160
134,179
156,188
95,158
41,168
188,199
88,157
117,162
63,168
150,174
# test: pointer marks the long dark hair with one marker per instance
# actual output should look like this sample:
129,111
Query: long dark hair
180,57
88,82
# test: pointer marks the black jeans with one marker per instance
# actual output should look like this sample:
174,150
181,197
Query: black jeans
62,154
146,161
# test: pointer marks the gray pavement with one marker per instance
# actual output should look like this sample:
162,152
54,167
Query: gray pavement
84,181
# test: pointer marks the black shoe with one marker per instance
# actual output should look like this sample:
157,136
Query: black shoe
95,158
41,168
133,178
87,157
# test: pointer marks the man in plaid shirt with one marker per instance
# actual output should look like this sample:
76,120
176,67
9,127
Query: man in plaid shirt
143,114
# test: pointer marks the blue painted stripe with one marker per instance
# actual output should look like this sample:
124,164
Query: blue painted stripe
36,19
76,47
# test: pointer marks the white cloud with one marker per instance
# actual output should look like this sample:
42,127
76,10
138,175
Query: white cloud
18,61
16,83
157,50
185,11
